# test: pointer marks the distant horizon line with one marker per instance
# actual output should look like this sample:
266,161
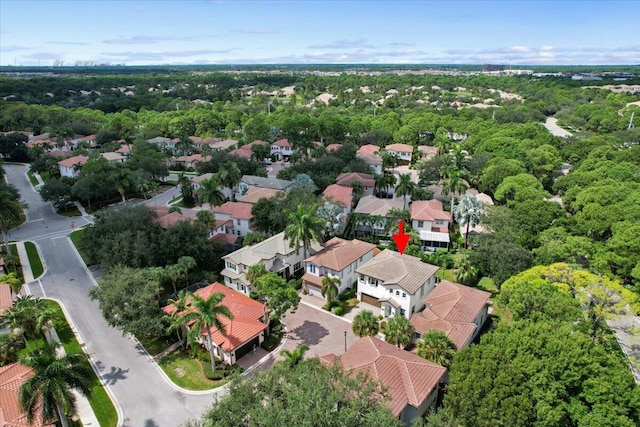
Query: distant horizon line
327,64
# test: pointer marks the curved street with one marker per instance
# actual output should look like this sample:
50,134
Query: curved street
143,396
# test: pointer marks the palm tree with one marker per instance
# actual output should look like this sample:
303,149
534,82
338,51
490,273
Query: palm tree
28,315
466,273
453,183
292,358
186,263
204,314
304,226
329,288
365,324
179,304
206,217
51,385
468,211
229,175
399,331
209,192
389,161
436,347
255,272
405,187
10,212
123,181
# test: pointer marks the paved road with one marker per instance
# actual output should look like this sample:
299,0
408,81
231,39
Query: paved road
145,398
552,125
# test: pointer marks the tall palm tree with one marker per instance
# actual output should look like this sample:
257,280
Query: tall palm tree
304,226
28,314
51,385
206,217
186,263
229,175
405,187
204,314
255,272
469,211
10,211
399,331
123,180
453,184
209,192
329,288
466,272
292,358
365,324
179,304
436,347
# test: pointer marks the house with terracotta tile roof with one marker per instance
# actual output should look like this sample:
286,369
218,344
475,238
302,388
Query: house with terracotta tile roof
275,253
11,414
348,178
253,194
373,212
427,152
237,217
369,149
190,161
342,196
402,151
457,310
281,149
168,219
114,157
244,332
71,167
125,150
396,283
333,147
338,258
431,222
411,382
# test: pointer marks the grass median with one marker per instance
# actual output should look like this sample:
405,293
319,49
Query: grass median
34,259
75,239
100,402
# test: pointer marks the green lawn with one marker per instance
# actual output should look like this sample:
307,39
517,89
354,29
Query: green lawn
32,178
187,372
34,259
155,346
70,212
75,239
100,402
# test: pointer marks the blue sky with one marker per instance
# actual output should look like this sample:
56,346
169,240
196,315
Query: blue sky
36,32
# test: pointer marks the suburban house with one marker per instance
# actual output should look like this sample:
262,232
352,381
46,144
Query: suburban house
250,181
427,152
412,382
373,160
71,167
372,215
125,150
402,151
168,219
227,144
195,181
333,147
348,178
12,377
190,161
275,253
457,310
161,142
342,196
244,332
395,283
281,149
369,149
246,151
339,258
431,222
236,216
113,157
254,194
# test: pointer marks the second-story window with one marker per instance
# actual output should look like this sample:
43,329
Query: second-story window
231,266
312,268
237,222
420,224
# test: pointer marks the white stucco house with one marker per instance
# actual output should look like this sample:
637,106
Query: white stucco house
236,216
403,152
396,283
431,222
71,167
281,149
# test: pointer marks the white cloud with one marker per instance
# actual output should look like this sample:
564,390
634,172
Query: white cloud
129,40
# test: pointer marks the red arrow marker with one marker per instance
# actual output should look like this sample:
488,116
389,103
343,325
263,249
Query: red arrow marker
401,239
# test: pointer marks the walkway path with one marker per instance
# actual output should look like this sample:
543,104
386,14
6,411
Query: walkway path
552,125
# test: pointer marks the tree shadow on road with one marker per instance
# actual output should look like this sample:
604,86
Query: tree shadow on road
309,332
114,375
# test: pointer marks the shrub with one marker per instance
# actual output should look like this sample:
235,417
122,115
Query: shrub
338,311
383,326
347,295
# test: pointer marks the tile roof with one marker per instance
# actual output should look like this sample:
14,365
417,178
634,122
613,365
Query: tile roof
369,159
112,157
282,143
6,300
371,205
124,149
347,178
246,314
269,182
11,415
223,145
226,238
406,271
339,194
241,152
266,250
428,151
193,158
198,179
235,210
338,253
452,309
368,149
333,147
171,219
400,148
254,194
72,161
409,379
429,210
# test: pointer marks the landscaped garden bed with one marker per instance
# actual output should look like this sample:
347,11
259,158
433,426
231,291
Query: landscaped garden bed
192,370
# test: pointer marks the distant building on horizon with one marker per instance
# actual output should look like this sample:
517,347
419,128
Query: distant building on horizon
488,68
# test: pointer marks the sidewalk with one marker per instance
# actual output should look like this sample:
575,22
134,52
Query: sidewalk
24,262
81,208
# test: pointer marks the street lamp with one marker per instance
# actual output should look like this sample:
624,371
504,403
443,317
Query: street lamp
345,341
